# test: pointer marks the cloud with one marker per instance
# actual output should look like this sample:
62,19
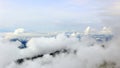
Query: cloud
9,52
86,56
111,16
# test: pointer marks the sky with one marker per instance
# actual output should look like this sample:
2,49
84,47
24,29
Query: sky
52,15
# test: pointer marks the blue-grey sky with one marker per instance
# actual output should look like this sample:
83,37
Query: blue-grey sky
51,15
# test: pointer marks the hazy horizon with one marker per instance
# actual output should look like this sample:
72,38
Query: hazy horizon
47,16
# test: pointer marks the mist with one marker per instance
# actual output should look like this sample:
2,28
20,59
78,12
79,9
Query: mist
79,54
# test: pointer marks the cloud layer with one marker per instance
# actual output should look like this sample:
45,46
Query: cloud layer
86,56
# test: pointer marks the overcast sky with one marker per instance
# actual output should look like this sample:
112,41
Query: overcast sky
52,15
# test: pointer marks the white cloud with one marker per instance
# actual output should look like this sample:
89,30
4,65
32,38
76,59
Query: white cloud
9,52
86,56
111,16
